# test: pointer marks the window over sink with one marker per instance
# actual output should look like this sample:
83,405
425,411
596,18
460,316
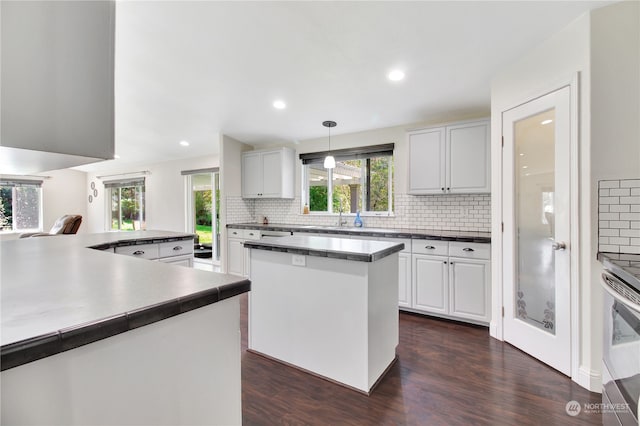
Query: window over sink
361,181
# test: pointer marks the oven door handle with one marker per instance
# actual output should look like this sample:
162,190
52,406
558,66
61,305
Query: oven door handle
610,284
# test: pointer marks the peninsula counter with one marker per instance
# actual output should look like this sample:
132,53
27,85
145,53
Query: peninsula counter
326,305
93,337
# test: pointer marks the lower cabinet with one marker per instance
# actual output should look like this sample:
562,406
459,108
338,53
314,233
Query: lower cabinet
431,284
173,252
237,256
469,286
404,279
453,287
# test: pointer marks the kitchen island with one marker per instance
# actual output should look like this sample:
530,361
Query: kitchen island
92,337
326,305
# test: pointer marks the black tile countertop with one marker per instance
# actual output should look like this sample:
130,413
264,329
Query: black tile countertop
624,265
58,294
334,248
462,236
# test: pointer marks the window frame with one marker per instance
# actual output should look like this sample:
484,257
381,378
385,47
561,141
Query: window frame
361,153
119,185
13,184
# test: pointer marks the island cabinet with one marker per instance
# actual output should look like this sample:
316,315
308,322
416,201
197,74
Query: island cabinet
451,159
268,174
326,305
452,281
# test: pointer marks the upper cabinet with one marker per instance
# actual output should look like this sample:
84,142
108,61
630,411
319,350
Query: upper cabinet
453,159
57,83
268,174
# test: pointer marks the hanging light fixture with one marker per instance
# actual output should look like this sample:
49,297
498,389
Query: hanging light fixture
329,161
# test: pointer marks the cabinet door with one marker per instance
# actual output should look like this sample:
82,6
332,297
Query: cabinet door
426,161
404,280
430,284
272,174
235,256
469,286
251,175
179,260
468,158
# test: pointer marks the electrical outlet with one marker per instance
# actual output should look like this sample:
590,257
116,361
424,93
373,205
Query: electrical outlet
298,260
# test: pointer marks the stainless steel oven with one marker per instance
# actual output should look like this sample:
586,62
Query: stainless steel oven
621,352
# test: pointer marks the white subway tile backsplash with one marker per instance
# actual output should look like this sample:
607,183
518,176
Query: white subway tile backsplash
620,192
442,212
630,183
619,216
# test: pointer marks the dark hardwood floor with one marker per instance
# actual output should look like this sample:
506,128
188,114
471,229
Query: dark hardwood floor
446,374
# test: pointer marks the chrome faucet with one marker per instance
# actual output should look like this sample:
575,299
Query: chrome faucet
340,222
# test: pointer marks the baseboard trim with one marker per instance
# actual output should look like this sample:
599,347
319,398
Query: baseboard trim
589,379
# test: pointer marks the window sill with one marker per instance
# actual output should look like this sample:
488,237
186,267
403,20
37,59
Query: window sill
367,214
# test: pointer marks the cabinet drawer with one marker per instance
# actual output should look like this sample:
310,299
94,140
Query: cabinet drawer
235,233
144,251
470,250
434,247
176,248
250,234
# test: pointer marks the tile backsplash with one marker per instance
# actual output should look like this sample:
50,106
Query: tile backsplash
619,216
441,212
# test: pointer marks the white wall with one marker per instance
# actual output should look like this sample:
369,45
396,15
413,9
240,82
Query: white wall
165,193
64,193
603,47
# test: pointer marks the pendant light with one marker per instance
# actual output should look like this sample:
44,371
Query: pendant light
329,161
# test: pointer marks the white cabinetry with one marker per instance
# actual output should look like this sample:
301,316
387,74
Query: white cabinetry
237,255
453,281
174,252
450,159
268,174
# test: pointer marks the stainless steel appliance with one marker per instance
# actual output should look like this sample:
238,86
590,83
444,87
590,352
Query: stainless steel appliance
621,351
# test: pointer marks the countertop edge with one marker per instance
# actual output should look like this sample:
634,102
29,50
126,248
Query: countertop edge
333,254
609,263
25,351
369,232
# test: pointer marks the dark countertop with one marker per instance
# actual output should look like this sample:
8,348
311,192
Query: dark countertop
58,294
624,265
463,236
334,248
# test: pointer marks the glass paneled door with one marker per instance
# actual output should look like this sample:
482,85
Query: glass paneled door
536,195
204,214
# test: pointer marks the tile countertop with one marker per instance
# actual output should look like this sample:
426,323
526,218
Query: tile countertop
334,248
625,266
57,293
463,236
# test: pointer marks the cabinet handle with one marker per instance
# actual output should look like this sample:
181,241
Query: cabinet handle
430,247
138,252
451,263
467,249
448,189
442,189
251,233
445,262
177,248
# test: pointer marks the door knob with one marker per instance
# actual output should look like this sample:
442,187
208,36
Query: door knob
558,245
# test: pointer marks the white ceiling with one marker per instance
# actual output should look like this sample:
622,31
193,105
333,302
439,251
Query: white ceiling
191,70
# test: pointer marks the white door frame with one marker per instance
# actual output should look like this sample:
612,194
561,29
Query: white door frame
497,326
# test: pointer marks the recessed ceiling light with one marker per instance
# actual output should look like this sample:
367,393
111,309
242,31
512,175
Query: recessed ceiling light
279,104
184,143
521,154
395,75
546,122
525,167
